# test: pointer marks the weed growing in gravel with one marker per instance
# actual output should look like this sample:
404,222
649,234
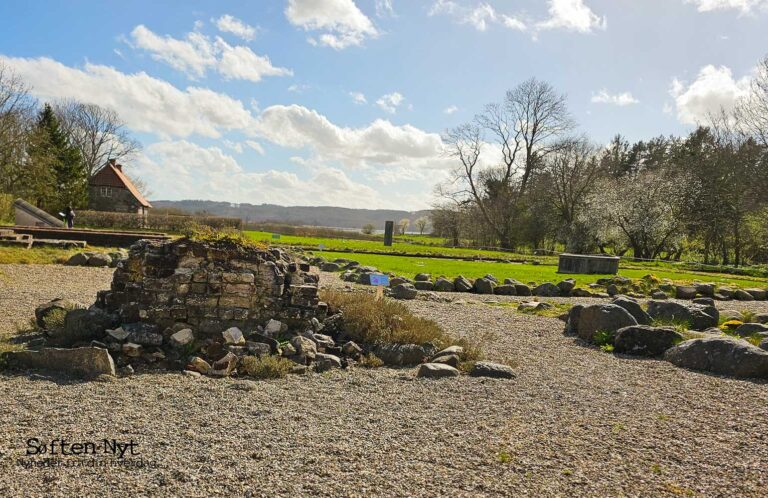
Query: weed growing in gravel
266,367
748,316
678,324
504,457
555,311
604,340
370,321
370,360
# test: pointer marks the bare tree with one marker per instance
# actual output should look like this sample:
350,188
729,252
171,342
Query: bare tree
752,111
17,114
402,225
97,132
421,223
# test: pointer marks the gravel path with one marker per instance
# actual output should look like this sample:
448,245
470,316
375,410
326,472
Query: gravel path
576,421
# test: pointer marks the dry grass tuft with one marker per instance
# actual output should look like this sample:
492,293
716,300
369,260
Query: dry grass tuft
266,367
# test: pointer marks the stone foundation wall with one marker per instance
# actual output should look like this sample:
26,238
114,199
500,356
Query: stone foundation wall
211,287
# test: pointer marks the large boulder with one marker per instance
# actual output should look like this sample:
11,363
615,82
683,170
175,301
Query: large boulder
404,291
79,362
81,325
442,284
424,285
423,277
100,260
566,286
44,311
547,289
505,290
750,329
402,354
522,290
758,294
743,295
634,309
696,316
79,259
722,356
644,340
572,322
484,286
461,284
328,266
603,318
685,292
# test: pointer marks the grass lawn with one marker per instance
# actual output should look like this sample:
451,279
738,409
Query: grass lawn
410,266
418,245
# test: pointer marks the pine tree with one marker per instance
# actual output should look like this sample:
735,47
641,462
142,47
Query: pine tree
65,165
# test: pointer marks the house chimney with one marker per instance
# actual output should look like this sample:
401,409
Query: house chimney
112,161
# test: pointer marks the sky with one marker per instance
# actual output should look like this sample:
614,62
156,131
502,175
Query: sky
343,102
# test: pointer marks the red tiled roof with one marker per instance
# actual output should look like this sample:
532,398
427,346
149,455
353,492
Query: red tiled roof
111,175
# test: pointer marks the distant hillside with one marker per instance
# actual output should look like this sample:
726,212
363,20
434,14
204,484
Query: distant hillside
324,216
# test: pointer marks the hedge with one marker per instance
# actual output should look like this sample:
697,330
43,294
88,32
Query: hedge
158,222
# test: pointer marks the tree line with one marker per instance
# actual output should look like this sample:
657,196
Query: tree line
526,179
49,151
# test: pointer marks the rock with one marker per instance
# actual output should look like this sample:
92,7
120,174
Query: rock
234,336
404,291
258,348
659,294
442,284
352,349
758,294
197,364
304,346
127,371
705,289
505,290
523,290
546,289
601,318
79,259
324,362
533,306
581,293
697,316
685,292
182,337
749,329
722,356
273,327
288,350
566,286
81,325
492,278
704,301
761,318
461,284
424,285
493,370
484,286
51,307
644,340
79,362
132,349
634,309
448,359
436,371
423,277
273,344
743,295
328,266
224,366
764,344
144,334
394,282
457,350
401,354
323,340
100,260
119,334
726,292
612,290
571,325
727,315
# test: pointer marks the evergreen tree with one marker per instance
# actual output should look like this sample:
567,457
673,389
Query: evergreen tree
68,174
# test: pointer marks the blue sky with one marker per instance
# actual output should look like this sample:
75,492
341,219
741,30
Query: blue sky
342,102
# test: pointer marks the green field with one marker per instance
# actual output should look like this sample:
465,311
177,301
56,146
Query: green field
410,266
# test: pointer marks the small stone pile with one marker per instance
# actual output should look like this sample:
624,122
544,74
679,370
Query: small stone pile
97,259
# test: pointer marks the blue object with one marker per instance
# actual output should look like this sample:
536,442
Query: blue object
379,279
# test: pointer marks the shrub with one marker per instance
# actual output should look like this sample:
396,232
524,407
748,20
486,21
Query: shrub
55,319
369,321
266,367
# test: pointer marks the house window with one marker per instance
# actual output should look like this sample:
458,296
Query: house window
106,191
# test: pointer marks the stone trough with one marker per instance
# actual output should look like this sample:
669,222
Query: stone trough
588,264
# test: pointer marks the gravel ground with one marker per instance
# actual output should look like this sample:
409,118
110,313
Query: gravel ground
576,421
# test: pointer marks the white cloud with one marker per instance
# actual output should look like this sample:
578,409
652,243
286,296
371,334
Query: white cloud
618,99
145,103
744,6
197,53
236,146
297,88
235,26
572,15
384,8
390,102
185,170
255,146
481,16
450,110
380,143
358,98
341,23
714,88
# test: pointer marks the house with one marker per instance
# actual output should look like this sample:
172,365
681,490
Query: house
111,190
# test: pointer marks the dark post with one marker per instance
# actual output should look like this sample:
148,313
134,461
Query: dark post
389,230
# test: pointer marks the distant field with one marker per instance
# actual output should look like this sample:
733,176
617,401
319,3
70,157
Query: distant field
417,245
410,266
